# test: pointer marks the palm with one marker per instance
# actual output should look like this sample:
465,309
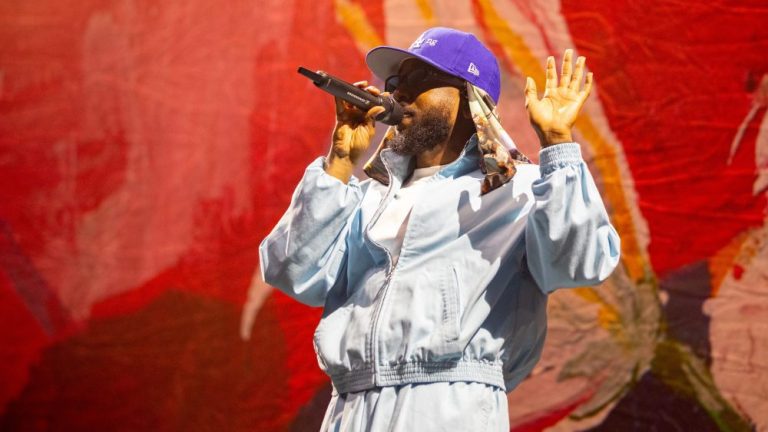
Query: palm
555,113
557,107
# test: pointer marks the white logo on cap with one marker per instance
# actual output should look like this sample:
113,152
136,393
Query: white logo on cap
473,70
421,41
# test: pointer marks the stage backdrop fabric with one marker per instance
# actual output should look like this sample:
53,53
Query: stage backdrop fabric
147,147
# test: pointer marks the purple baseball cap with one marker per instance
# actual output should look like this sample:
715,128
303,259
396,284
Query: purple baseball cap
452,51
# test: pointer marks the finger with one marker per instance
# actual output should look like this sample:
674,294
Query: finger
370,116
347,112
578,73
551,74
565,73
373,90
361,84
531,95
587,87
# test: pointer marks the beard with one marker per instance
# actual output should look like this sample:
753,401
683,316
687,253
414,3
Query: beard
424,133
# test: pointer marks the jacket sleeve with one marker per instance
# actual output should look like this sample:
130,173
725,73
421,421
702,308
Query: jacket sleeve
569,239
305,252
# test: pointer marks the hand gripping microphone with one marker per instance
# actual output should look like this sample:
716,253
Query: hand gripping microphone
360,98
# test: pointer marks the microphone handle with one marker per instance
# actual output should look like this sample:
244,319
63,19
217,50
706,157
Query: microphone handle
360,98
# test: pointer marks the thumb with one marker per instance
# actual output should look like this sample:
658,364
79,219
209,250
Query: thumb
373,112
531,95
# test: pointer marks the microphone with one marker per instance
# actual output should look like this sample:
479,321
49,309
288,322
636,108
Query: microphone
360,98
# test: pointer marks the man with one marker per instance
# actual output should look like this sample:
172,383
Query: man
434,277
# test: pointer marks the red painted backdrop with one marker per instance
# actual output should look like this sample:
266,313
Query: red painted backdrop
146,148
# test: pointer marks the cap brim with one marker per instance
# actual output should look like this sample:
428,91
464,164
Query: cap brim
384,61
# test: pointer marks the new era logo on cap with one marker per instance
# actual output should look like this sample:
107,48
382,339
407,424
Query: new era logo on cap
423,41
473,70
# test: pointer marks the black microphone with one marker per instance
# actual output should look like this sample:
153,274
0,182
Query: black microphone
393,112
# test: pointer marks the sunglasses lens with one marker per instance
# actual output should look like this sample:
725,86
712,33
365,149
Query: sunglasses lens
413,80
390,85
415,77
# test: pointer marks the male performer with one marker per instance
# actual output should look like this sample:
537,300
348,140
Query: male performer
434,275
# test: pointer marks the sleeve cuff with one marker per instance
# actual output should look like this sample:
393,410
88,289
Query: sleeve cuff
558,156
318,165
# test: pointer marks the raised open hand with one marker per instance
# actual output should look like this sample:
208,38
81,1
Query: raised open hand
553,116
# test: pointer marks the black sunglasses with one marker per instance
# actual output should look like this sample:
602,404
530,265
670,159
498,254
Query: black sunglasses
419,77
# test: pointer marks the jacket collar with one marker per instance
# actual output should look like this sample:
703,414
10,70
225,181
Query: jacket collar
400,166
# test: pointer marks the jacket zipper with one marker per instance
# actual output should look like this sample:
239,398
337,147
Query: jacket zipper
383,292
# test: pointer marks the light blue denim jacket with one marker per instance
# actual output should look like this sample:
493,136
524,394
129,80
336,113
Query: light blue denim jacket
466,300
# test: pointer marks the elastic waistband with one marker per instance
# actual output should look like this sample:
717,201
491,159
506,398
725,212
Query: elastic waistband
417,372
